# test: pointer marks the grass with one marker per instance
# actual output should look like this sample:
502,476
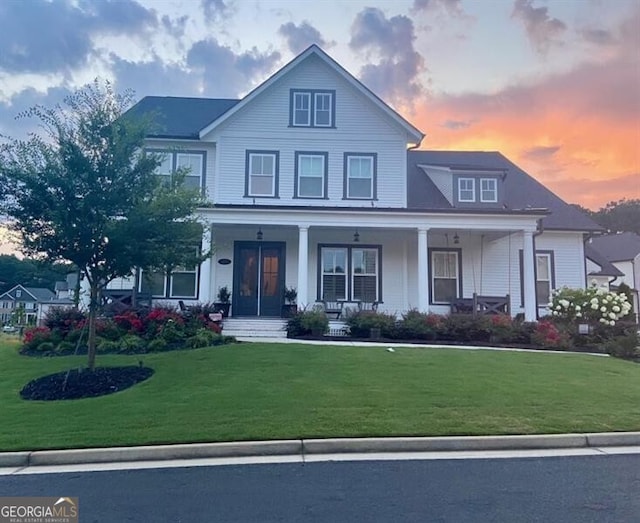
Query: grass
271,391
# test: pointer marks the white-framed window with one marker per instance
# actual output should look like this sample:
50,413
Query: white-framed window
154,283
544,279
488,190
360,176
311,172
364,274
301,109
262,173
312,108
194,163
323,109
183,282
466,190
333,281
445,276
350,273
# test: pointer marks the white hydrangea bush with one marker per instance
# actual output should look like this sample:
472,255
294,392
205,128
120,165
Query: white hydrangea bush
591,305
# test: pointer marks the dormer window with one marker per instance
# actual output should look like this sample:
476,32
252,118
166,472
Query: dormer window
466,190
488,190
312,108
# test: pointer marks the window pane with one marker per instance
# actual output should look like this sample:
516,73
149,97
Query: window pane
192,182
302,109
193,162
543,292
152,283
261,185
444,290
542,267
165,166
311,187
183,284
466,190
360,188
365,288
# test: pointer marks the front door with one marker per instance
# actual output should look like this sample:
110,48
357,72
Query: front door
258,278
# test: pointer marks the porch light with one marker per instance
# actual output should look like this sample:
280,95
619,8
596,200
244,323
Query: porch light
456,239
356,236
259,234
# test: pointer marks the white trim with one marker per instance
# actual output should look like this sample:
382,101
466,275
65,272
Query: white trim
314,50
472,189
315,110
263,175
494,190
307,95
322,175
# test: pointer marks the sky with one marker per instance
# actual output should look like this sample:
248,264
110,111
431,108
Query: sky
552,84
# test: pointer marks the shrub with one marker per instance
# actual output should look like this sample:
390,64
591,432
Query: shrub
592,305
548,335
361,322
129,321
34,336
315,320
294,326
157,345
418,325
465,328
45,346
107,346
64,319
131,343
172,332
65,347
625,346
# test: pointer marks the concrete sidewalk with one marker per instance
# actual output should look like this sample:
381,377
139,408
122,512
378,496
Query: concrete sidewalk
318,447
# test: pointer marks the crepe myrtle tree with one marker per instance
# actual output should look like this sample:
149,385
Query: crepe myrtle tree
84,191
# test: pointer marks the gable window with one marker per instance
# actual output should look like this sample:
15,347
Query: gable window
192,162
349,273
312,108
446,280
466,190
18,293
311,175
262,174
322,109
360,176
488,190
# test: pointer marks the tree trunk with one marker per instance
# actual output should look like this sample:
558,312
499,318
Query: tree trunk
91,342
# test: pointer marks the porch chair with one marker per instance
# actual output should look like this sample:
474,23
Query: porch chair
368,305
333,308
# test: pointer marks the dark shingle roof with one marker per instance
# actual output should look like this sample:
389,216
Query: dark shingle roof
520,190
177,117
623,246
606,267
41,294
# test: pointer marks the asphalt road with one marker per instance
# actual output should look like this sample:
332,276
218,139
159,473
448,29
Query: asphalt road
560,489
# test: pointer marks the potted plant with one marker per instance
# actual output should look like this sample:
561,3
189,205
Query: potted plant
224,301
290,307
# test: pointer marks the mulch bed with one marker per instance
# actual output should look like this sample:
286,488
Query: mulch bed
83,383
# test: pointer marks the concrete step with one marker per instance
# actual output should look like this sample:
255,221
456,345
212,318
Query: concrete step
255,328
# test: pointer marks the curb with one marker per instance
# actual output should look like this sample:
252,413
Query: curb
302,447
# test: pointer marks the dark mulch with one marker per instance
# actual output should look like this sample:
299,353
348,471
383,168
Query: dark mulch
83,383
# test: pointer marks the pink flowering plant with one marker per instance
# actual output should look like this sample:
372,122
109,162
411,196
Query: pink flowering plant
592,305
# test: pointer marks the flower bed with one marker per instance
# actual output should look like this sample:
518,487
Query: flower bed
130,331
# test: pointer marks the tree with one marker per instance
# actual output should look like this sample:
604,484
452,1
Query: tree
30,273
86,193
619,216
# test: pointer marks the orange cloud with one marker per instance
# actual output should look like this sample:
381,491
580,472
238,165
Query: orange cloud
578,132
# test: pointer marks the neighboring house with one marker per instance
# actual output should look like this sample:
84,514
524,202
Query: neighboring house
20,305
63,297
622,251
314,183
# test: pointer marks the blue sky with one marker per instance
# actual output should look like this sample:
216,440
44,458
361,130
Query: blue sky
553,84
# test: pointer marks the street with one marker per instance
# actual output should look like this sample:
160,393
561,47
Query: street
568,489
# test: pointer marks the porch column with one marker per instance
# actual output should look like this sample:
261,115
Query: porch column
303,266
423,270
528,274
204,288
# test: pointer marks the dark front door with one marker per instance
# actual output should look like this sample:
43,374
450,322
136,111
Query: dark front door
258,278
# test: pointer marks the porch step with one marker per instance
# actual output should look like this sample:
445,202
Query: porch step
255,327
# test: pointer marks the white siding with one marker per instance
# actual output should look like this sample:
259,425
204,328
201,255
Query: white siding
263,124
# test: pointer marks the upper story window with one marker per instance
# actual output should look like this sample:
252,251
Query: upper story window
192,162
466,190
262,174
312,108
360,176
18,293
488,190
311,175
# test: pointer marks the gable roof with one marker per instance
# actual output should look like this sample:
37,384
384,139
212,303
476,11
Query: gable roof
314,50
606,267
623,246
37,293
520,190
178,117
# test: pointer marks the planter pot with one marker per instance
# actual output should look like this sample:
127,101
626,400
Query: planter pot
289,310
223,308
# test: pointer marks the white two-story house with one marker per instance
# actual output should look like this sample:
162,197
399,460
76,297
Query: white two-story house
315,183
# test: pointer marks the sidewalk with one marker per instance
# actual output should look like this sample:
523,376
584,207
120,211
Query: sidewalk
307,448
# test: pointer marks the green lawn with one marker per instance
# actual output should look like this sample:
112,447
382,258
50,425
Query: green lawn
271,391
